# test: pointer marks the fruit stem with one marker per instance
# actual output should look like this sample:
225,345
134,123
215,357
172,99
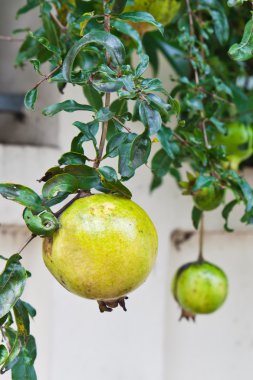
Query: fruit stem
201,239
107,28
33,236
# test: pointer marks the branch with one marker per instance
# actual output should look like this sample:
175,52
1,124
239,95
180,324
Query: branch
63,28
107,28
11,39
33,236
80,194
46,77
123,125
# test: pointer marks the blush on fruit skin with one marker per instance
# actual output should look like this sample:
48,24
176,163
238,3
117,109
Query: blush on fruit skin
105,247
200,287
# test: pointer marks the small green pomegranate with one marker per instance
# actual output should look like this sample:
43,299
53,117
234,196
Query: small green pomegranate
209,198
199,288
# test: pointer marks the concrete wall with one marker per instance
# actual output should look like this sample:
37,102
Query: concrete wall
76,342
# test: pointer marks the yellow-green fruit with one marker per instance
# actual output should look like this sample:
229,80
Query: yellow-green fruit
162,10
238,143
209,198
200,287
105,247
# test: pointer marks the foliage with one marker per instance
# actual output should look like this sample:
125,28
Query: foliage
90,46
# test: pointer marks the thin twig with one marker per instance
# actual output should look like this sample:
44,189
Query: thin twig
203,90
123,125
181,139
80,194
63,28
46,77
33,236
11,39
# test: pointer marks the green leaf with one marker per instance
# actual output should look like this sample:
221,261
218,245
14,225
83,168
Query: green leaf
125,169
109,180
93,96
30,4
165,137
140,151
13,355
23,368
49,25
36,64
72,158
47,45
22,195
104,114
128,30
150,118
226,212
142,66
12,284
30,98
244,50
50,173
112,44
142,17
61,183
30,309
88,132
3,354
22,319
156,182
245,189
87,177
119,107
161,163
196,217
113,145
118,6
67,106
160,105
203,181
108,173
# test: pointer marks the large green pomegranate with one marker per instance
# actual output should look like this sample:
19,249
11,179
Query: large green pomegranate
200,287
105,247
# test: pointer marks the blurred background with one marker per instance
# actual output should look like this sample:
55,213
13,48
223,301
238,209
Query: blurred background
148,342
